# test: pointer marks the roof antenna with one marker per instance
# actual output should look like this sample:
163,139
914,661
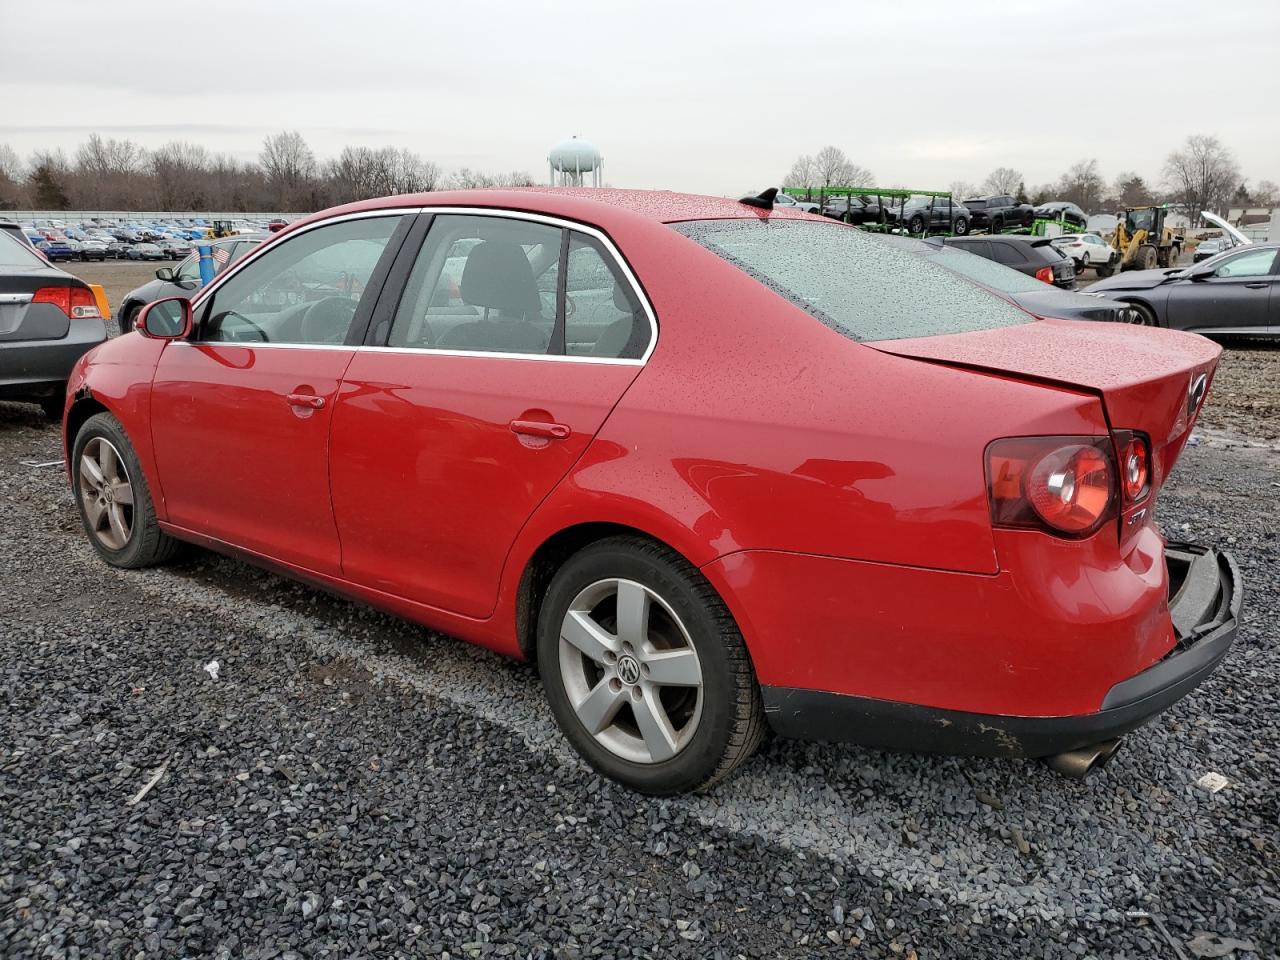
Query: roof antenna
764,200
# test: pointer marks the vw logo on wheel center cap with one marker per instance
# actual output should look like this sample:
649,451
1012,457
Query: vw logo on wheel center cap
628,670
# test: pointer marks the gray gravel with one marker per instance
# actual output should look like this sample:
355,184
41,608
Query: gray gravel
352,785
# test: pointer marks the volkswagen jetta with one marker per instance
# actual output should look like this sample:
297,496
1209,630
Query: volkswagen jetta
715,466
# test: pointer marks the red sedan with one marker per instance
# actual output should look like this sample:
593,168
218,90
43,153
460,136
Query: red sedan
716,466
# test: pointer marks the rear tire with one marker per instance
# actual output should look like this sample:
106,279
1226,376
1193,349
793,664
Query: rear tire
129,317
112,496
1084,265
1105,270
1146,258
916,224
659,737
961,227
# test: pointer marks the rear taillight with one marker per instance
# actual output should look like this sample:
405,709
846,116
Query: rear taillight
77,303
1135,465
1064,485
1045,274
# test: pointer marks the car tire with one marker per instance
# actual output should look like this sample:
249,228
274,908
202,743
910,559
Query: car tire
129,318
1084,265
104,468
54,406
1144,315
916,224
1104,269
997,225
1146,258
657,738
961,226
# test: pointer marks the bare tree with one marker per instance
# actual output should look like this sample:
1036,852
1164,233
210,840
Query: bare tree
289,166
832,168
1265,194
1203,175
178,172
1002,181
962,188
801,175
1082,185
11,177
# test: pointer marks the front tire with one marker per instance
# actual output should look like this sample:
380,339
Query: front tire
114,501
1084,265
645,670
961,227
916,224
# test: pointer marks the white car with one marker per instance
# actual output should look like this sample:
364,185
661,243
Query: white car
1087,250
784,200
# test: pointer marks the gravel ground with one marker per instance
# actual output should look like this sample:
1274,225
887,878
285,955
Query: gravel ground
351,785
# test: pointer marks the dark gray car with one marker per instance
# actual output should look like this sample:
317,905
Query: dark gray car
1031,294
1234,293
48,319
184,279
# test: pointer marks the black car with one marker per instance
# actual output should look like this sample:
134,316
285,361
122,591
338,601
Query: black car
921,214
184,279
1034,256
1236,292
48,319
859,210
1063,211
999,212
1032,295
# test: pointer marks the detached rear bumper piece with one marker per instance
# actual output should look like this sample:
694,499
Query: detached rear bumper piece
1204,604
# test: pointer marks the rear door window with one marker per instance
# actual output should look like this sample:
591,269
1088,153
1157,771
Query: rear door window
852,281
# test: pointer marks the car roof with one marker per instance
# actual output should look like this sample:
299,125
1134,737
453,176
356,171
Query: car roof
600,205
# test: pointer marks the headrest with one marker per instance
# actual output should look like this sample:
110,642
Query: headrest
497,275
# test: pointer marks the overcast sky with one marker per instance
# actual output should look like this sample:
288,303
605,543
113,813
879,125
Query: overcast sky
702,96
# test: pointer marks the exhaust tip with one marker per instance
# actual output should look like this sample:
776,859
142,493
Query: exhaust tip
1077,764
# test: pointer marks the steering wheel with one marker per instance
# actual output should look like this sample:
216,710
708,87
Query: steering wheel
327,320
221,318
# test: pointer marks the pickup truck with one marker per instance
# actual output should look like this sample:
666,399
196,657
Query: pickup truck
996,213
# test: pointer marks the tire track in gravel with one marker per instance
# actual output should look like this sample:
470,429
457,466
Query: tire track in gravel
913,824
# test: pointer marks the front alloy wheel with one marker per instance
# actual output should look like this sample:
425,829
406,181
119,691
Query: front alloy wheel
106,494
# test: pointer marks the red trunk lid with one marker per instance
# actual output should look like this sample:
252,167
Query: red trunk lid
1149,380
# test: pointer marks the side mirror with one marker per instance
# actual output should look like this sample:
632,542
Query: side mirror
168,319
1201,272
165,273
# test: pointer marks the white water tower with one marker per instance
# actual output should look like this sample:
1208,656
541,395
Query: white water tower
571,160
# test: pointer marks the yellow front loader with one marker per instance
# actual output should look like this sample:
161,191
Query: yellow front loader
1143,240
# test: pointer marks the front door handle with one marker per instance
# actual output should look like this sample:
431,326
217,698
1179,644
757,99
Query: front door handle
1257,285
537,428
308,400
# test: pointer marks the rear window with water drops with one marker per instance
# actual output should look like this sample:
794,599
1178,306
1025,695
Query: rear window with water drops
852,281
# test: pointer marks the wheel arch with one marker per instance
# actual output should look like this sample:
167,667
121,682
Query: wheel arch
82,408
549,556
1139,301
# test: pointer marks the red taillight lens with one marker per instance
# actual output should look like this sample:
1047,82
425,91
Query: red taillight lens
1045,274
76,302
1066,485
1135,465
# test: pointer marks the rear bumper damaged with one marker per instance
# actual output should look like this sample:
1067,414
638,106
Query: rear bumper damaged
1204,605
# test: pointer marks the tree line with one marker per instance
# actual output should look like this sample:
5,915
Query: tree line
286,176
1201,175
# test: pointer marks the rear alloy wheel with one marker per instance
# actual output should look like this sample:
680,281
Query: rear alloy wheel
645,670
916,224
1084,265
961,227
111,493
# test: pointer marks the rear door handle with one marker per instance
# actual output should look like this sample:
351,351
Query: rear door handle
311,401
537,428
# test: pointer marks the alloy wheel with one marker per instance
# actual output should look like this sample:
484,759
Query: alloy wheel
106,493
630,671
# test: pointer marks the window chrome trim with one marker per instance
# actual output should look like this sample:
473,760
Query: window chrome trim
500,212
412,351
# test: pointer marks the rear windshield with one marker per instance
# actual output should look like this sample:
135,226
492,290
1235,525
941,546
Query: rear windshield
15,253
852,281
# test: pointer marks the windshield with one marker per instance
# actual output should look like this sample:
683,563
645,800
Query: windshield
853,282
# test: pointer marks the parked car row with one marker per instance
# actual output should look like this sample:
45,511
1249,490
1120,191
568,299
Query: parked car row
926,213
103,239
